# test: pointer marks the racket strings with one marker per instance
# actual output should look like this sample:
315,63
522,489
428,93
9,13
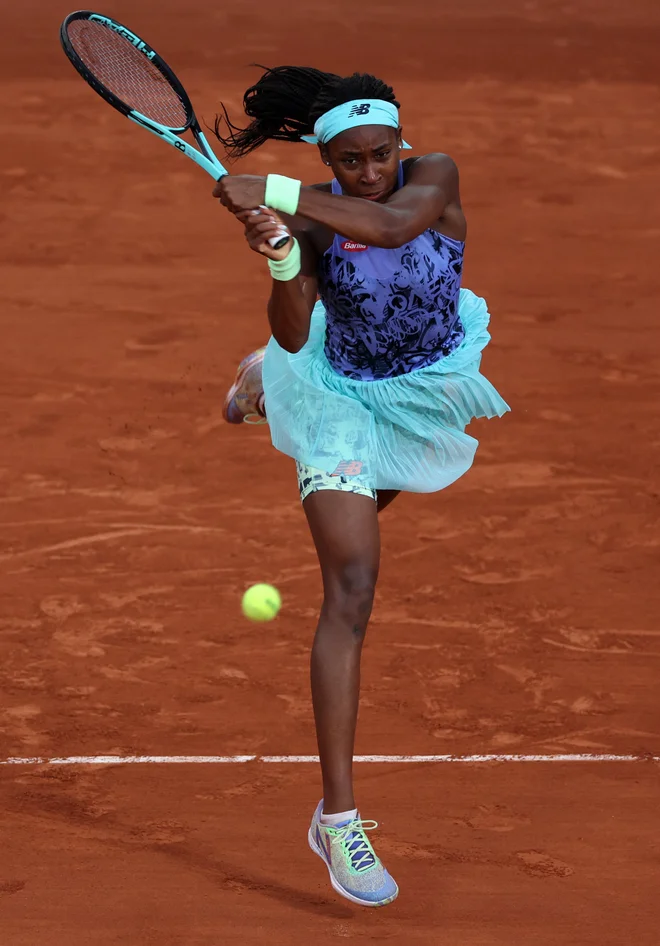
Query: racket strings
127,73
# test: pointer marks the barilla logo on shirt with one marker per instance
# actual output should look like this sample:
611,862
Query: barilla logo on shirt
353,247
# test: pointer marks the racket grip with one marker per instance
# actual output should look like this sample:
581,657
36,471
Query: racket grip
278,242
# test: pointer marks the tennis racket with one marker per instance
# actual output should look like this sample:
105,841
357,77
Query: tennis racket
133,78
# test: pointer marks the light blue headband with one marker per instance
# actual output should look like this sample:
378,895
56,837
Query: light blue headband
352,115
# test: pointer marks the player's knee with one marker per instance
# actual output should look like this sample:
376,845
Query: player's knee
352,590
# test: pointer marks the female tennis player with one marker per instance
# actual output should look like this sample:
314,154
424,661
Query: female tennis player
369,389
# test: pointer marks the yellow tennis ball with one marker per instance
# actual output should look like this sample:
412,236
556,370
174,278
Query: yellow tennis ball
261,603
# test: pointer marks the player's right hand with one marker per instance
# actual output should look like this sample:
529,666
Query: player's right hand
262,225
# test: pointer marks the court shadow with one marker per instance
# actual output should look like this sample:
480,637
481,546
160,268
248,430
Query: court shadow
230,878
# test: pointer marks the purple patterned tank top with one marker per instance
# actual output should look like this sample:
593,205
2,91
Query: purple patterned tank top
390,311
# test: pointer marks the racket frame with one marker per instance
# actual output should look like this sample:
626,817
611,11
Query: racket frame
205,157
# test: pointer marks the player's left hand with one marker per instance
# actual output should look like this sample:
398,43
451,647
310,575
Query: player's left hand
262,225
240,192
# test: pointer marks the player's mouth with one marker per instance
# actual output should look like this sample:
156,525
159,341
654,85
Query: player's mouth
377,196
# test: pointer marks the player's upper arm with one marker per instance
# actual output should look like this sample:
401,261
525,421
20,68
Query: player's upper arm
436,172
431,187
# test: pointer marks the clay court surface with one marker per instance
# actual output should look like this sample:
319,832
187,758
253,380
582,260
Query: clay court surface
517,612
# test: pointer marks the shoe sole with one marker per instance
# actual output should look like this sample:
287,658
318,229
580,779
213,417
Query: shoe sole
341,890
238,381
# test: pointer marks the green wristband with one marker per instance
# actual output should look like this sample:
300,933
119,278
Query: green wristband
282,193
288,268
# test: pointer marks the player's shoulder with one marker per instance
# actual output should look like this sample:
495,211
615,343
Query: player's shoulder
434,163
434,170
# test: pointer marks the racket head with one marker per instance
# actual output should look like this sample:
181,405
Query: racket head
125,71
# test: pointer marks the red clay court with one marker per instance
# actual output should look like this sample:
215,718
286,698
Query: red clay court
517,613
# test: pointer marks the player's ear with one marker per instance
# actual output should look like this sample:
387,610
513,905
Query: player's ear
325,157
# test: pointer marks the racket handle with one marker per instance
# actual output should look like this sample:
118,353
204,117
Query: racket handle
278,242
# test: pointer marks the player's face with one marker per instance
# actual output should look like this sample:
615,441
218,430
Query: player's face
365,160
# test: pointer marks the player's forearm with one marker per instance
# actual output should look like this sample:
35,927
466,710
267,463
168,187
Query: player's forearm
357,219
288,314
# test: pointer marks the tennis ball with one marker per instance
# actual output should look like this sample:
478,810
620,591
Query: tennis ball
261,603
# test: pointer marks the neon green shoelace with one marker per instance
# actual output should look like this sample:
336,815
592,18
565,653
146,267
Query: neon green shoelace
358,850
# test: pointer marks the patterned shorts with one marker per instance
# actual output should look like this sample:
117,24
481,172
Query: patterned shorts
311,480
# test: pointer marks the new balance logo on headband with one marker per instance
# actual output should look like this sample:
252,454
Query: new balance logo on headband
359,110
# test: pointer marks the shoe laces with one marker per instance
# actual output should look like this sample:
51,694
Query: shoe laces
254,420
354,842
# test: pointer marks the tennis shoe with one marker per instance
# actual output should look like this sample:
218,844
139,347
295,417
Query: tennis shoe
355,871
244,400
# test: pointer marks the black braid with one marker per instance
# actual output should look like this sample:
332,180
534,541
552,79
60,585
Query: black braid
287,100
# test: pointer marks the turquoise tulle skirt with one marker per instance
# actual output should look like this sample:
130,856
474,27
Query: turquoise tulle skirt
405,433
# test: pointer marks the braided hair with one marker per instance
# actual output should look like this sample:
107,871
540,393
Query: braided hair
286,102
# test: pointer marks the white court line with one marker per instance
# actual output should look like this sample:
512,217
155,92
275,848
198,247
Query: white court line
303,759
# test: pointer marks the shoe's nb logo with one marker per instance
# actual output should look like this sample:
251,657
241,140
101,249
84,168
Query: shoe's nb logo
363,109
353,247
